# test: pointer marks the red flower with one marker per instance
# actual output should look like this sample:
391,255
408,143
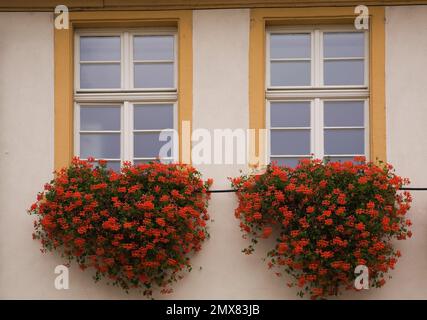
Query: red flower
79,242
370,205
98,186
147,205
282,248
111,224
82,230
257,216
327,254
172,262
161,222
310,209
360,226
362,180
267,232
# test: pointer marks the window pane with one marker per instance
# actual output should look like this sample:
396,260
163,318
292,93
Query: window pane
153,47
343,113
146,161
105,75
344,141
136,162
100,118
100,145
344,72
290,142
100,49
114,165
153,116
148,144
290,114
154,75
343,44
290,73
290,46
290,162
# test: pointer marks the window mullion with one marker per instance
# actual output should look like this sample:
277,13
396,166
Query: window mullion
126,132
314,72
367,129
313,134
76,129
319,144
125,60
318,58
175,154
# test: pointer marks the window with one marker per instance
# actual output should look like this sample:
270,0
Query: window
125,95
317,93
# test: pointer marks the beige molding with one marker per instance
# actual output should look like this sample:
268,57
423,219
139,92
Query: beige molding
83,5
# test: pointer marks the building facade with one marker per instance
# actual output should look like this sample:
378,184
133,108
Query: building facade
207,65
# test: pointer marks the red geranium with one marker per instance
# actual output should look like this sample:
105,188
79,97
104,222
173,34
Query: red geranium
331,217
136,228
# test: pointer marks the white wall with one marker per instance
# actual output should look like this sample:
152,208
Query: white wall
406,98
221,44
26,146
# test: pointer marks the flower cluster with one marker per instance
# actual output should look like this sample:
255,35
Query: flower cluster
137,228
329,218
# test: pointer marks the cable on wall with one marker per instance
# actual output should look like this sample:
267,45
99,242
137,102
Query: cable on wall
233,190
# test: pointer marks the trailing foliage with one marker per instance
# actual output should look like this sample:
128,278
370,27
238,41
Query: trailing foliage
137,227
330,218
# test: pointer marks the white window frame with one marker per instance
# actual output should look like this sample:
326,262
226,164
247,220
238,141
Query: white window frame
126,61
316,92
317,59
174,155
311,128
126,96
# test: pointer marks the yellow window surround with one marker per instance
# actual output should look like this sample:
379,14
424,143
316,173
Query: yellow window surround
261,18
64,70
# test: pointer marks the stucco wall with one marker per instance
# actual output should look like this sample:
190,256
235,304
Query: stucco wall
26,147
406,99
220,53
221,43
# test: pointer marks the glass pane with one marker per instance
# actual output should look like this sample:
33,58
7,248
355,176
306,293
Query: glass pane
343,44
153,75
153,116
290,162
343,113
105,75
114,165
340,159
100,118
290,73
290,142
100,49
136,162
100,145
148,144
344,72
344,141
153,47
290,114
290,46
